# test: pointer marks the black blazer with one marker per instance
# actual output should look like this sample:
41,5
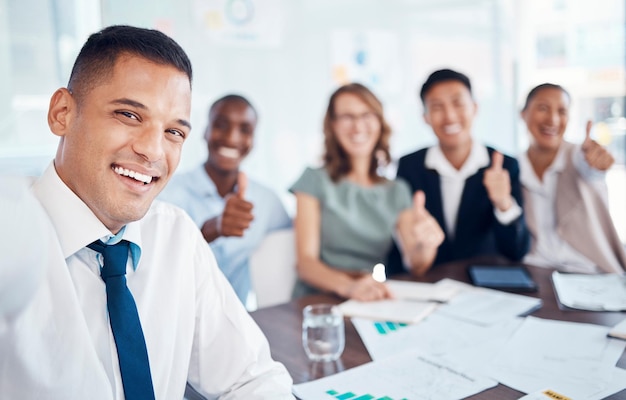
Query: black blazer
478,231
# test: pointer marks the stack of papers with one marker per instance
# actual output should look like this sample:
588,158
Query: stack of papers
470,339
605,292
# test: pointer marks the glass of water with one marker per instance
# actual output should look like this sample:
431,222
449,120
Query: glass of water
323,332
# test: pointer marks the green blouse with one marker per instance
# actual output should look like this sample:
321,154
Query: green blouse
357,222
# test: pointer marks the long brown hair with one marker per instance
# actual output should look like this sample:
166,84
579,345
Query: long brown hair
336,160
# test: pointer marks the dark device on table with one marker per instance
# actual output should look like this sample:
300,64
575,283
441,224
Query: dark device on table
504,277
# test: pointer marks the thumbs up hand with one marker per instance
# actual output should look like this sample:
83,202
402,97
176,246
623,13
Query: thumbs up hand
242,184
498,183
596,156
237,214
426,229
419,235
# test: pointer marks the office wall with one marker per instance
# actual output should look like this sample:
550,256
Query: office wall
307,48
287,56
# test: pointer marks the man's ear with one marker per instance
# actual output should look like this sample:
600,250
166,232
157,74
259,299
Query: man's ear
60,112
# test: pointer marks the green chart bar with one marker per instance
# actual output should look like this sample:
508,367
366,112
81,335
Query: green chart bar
385,327
352,396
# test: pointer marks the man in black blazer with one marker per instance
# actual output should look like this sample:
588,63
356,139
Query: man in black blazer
471,190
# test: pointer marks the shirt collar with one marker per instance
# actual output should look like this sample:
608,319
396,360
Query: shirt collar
76,225
477,159
527,173
132,237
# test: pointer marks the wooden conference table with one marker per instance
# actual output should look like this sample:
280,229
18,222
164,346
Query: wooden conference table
282,326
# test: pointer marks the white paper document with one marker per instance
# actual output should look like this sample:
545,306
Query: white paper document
468,344
600,292
441,291
406,376
394,310
575,359
488,306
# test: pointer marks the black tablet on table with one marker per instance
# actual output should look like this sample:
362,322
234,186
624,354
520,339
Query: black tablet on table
504,277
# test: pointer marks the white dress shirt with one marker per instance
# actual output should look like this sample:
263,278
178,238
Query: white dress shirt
453,182
23,220
60,346
550,250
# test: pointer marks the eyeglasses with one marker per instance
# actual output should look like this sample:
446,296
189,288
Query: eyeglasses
350,119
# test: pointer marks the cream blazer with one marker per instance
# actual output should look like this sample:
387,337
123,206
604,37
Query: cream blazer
582,218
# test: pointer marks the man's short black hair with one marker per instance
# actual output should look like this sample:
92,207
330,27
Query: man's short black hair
444,75
98,55
533,92
235,98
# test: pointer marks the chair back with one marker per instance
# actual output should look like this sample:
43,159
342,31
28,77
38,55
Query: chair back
273,269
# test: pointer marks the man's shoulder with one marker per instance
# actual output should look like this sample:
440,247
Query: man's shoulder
415,156
163,212
411,163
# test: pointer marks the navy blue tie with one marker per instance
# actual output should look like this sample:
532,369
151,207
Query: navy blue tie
124,319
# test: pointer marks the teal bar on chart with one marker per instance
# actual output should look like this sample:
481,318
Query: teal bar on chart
384,328
352,396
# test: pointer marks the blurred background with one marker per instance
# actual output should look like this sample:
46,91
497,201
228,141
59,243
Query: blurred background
287,56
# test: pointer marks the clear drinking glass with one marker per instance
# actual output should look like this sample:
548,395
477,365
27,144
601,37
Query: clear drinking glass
323,332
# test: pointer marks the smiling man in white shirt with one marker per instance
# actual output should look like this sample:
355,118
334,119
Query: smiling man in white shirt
122,122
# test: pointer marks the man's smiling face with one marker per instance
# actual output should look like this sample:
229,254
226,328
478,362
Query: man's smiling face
230,135
121,140
450,111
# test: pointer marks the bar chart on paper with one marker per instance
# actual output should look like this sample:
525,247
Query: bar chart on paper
384,328
354,396
379,337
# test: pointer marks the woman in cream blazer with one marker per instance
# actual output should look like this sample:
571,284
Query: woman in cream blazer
564,191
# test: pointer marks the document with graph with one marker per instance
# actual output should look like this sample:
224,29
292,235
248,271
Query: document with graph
410,375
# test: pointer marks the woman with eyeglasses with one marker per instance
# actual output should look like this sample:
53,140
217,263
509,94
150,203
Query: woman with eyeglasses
347,213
